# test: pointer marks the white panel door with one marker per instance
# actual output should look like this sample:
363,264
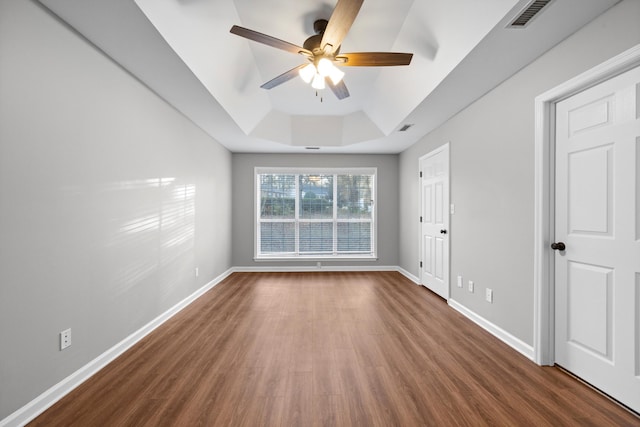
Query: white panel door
434,237
597,282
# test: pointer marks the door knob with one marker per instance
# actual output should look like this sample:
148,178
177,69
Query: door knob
559,246
443,231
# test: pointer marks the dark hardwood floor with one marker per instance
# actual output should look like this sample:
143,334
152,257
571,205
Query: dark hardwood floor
334,349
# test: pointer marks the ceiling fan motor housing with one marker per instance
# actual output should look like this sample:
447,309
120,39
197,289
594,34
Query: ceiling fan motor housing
313,43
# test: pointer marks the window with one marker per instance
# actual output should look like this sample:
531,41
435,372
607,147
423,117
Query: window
315,213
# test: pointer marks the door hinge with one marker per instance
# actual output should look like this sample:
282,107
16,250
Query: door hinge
420,264
420,174
420,219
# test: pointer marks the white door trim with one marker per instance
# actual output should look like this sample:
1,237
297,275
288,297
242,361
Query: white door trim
543,275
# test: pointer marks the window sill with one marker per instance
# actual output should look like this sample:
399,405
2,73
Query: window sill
316,258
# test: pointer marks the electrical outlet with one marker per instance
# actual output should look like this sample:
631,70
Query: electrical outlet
65,339
319,264
488,295
459,281
470,286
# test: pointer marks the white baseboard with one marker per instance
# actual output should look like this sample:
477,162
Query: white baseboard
41,403
504,336
312,268
405,273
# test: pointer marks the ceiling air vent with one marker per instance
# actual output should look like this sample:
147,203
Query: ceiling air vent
404,128
528,13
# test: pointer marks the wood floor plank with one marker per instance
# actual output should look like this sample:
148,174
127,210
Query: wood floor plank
327,349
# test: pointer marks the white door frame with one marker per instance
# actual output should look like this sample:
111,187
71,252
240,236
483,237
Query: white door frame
443,147
543,276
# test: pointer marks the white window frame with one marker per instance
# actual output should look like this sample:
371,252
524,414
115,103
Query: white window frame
315,171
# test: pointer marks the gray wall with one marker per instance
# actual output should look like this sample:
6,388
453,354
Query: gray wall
243,203
109,199
492,175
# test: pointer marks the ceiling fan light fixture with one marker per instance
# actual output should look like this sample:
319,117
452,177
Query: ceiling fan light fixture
318,82
324,67
336,74
327,69
307,73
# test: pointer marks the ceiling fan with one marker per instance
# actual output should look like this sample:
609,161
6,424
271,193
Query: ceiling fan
323,51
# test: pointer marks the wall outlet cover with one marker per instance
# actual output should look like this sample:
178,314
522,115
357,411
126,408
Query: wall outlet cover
488,295
65,339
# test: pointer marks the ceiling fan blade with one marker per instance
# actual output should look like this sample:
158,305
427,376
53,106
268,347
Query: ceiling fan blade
282,78
374,59
339,24
340,90
268,40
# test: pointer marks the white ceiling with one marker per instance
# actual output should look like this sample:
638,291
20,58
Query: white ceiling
182,50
